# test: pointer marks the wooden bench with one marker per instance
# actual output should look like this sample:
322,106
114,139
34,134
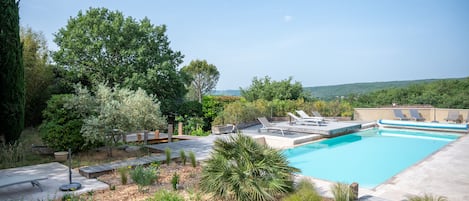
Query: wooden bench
13,180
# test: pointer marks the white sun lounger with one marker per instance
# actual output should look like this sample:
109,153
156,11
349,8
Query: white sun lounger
19,179
266,125
306,116
305,121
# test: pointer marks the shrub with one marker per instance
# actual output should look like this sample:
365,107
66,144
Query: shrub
123,172
12,154
167,151
192,158
342,192
144,176
175,181
183,157
62,124
164,195
304,191
241,169
427,197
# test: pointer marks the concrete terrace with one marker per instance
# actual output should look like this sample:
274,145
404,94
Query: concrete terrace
57,175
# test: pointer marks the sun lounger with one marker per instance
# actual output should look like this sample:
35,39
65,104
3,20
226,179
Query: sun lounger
305,121
266,125
415,115
453,116
306,116
398,115
19,179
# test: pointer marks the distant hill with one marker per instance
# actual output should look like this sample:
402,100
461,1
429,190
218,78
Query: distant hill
330,92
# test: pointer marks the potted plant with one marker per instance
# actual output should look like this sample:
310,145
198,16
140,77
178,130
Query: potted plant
61,156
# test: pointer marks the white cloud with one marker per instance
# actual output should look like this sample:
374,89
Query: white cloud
287,18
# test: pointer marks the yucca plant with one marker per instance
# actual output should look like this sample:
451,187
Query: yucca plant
427,197
167,151
183,157
342,192
241,169
192,158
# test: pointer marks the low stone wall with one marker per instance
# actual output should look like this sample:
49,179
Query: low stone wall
430,114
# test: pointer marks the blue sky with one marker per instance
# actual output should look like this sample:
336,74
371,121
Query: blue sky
316,42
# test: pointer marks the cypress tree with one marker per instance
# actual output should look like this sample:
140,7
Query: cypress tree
11,72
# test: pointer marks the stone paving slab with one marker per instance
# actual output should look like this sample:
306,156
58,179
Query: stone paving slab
57,175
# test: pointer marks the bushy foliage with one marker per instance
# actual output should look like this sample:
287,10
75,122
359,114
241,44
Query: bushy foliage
144,176
213,105
62,123
190,108
38,74
164,195
442,93
304,191
427,197
265,88
241,169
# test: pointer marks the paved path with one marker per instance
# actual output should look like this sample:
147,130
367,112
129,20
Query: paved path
57,175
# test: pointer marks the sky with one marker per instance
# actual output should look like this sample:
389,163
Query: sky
317,43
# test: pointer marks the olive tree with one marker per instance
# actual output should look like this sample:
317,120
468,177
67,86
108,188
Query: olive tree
119,111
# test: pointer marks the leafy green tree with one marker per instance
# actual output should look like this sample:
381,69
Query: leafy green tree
265,88
38,75
242,169
103,46
11,73
204,77
62,123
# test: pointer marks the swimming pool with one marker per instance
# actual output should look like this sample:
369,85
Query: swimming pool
368,157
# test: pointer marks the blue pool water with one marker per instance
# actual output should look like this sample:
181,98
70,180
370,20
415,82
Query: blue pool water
368,157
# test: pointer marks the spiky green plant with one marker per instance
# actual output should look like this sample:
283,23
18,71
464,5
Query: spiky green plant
304,191
175,181
241,169
192,158
164,195
183,157
427,197
167,151
342,192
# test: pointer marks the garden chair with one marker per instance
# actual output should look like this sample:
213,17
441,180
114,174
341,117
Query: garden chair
415,115
304,121
306,116
266,125
398,115
453,116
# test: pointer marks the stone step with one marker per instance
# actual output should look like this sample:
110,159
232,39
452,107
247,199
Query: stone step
98,170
